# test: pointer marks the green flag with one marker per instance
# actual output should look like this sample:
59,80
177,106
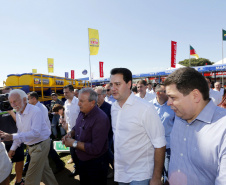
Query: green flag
224,34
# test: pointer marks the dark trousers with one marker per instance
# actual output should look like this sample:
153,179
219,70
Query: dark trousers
75,158
94,172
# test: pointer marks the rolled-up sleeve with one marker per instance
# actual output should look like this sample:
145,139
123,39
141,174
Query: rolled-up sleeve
154,127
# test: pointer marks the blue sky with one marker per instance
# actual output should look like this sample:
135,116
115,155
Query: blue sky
133,33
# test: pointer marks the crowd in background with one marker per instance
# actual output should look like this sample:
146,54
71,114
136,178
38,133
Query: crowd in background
147,133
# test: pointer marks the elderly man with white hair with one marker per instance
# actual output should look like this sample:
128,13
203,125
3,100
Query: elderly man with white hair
34,132
217,87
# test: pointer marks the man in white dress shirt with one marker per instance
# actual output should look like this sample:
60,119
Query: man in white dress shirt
34,132
214,95
70,115
141,88
139,137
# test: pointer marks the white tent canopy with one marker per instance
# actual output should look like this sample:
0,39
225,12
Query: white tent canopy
220,62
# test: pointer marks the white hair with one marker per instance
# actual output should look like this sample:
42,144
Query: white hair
21,93
103,90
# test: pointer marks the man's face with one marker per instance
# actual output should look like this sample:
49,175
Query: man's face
149,87
183,106
141,88
68,94
161,93
119,88
54,98
101,96
31,100
85,105
17,103
217,86
108,90
76,94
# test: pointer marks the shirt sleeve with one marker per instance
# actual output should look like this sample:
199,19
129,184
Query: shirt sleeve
99,136
154,127
34,132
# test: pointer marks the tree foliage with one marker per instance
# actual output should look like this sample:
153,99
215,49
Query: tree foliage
196,62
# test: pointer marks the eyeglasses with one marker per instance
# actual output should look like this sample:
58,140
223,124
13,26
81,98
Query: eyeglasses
108,90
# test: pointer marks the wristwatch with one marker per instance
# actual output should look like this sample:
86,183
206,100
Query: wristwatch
75,144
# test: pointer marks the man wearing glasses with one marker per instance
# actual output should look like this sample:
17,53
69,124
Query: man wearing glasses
109,98
167,116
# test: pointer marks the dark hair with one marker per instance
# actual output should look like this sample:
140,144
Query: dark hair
186,80
70,87
134,89
142,82
33,94
57,107
127,74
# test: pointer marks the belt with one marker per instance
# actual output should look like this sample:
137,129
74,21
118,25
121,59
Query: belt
35,144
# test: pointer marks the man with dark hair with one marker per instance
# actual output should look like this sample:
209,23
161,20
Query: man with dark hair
141,88
139,138
214,95
89,137
167,116
70,115
198,137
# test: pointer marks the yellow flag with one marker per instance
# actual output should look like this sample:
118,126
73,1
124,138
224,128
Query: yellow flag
93,41
34,70
50,65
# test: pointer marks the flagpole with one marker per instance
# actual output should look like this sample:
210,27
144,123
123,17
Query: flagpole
89,60
222,60
189,57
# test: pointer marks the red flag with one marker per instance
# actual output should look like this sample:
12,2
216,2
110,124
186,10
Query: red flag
173,53
101,69
72,74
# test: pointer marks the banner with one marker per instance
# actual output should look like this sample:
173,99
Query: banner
50,65
93,41
224,34
101,69
193,52
72,74
173,53
34,70
66,74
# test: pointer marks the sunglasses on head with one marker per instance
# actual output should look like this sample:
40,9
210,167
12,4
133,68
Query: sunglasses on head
108,89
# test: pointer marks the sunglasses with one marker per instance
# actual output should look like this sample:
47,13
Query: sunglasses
108,89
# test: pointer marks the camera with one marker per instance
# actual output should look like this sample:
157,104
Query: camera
4,103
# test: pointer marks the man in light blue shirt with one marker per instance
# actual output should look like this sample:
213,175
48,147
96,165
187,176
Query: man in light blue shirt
109,98
198,137
167,116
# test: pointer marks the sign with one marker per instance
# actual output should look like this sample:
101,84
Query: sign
101,69
93,41
84,72
66,74
50,65
72,74
173,53
59,147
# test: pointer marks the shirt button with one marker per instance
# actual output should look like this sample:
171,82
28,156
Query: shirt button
188,125
178,170
181,154
185,139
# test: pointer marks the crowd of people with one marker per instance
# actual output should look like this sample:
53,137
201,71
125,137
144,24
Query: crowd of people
150,134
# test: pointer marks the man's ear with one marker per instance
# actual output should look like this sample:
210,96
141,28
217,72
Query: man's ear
197,96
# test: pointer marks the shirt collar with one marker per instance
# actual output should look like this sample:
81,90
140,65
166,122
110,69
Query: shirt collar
155,102
27,108
207,113
129,101
90,113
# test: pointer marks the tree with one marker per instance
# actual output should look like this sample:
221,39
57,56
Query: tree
196,62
